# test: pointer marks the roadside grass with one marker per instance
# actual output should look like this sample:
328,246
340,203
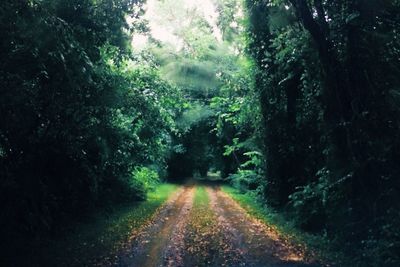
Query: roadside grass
97,242
318,246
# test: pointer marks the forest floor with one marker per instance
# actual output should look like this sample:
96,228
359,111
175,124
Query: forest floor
201,225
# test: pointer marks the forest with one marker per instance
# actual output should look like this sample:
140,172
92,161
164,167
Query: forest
276,119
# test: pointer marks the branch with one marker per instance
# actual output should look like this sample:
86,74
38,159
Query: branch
306,17
321,15
312,26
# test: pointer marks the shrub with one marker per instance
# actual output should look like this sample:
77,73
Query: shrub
245,180
143,180
308,203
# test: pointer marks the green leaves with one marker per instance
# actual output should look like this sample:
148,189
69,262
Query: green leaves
352,17
144,180
78,118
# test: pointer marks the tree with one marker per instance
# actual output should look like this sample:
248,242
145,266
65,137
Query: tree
318,82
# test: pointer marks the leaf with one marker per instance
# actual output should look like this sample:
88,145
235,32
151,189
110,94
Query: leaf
352,17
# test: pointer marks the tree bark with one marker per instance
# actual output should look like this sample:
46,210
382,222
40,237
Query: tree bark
336,93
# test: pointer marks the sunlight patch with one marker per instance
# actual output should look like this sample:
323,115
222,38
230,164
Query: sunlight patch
167,20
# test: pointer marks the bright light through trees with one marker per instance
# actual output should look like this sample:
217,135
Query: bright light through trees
166,18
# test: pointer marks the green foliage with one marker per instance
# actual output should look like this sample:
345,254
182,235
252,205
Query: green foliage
100,238
319,246
308,118
245,180
214,79
322,78
78,114
144,180
310,202
193,115
198,78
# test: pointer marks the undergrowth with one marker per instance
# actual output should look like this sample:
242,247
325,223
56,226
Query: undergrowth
104,234
318,245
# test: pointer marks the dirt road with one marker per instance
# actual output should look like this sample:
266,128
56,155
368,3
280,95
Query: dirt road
203,226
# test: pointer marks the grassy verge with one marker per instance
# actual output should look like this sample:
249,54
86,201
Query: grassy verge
101,238
319,246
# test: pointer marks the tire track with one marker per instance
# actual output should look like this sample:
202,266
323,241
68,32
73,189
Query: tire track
160,242
214,231
257,243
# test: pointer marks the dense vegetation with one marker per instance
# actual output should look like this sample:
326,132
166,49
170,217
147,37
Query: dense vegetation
296,101
327,78
79,124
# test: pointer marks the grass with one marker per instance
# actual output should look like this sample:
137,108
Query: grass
105,234
201,197
316,244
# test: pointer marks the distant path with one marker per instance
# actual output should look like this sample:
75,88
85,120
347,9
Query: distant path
218,233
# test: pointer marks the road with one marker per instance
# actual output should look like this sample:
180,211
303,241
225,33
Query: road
203,226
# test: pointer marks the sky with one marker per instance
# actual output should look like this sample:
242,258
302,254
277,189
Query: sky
163,32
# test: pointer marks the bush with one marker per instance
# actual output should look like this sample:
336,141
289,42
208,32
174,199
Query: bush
308,203
245,180
143,180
